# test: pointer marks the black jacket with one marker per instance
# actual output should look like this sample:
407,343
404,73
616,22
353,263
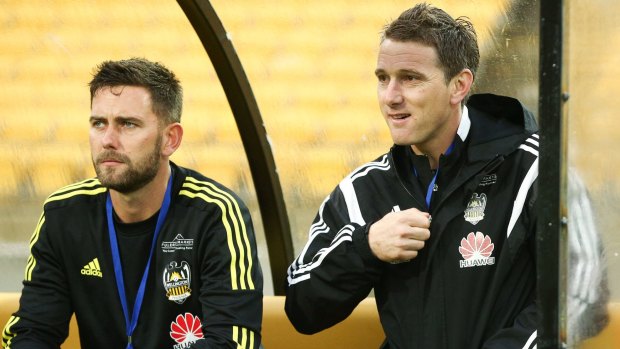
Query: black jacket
205,280
473,284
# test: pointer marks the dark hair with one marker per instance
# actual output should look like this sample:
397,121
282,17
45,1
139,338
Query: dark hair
454,39
165,89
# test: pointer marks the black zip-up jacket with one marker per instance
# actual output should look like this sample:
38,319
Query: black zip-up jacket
204,289
473,284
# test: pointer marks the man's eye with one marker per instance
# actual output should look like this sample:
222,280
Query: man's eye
128,124
97,124
382,78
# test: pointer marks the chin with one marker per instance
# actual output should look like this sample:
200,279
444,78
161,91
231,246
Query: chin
402,141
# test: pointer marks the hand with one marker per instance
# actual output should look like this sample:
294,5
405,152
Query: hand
398,236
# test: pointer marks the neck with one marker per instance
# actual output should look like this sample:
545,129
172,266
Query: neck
141,204
434,151
440,143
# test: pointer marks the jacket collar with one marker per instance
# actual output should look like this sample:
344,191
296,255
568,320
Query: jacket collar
499,125
491,127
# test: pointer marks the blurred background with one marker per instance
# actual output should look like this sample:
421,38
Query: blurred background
310,65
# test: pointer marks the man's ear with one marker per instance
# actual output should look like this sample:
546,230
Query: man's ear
171,138
461,84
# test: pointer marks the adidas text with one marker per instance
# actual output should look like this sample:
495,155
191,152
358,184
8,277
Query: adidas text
91,272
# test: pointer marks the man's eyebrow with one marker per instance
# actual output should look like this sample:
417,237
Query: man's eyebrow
399,72
127,118
115,119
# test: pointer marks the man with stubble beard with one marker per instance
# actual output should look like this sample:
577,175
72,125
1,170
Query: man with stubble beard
148,254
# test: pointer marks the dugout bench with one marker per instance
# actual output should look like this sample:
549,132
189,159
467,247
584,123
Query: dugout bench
361,330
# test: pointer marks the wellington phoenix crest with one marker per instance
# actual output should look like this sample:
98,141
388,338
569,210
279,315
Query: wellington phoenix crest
474,212
476,250
177,280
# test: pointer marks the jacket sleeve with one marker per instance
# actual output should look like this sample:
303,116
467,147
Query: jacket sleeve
231,291
334,271
42,320
587,289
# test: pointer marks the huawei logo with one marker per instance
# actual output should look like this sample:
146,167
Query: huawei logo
186,330
476,250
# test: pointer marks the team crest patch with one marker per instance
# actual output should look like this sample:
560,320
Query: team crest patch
176,282
185,330
474,212
476,250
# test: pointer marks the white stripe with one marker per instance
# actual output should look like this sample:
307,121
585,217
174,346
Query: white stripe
529,149
533,141
294,278
464,125
299,266
585,267
581,235
383,165
347,230
320,222
350,197
519,202
316,229
344,234
353,206
530,341
297,279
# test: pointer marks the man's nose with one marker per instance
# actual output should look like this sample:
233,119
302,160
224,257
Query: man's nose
392,95
110,138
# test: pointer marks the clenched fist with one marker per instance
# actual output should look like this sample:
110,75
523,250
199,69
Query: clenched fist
398,236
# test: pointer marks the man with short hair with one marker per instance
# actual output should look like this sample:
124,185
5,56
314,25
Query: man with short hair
442,227
148,254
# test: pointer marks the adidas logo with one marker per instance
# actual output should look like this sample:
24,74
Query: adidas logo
92,268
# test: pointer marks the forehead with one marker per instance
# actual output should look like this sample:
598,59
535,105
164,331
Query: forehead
129,96
406,55
124,101
123,92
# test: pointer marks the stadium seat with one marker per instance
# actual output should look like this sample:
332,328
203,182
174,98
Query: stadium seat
361,330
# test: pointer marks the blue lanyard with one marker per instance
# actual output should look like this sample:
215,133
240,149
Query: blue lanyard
431,185
118,270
